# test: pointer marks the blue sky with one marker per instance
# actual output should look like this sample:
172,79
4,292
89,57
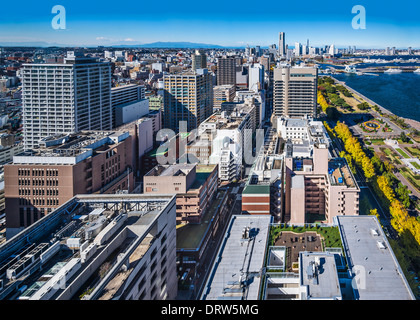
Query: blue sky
227,23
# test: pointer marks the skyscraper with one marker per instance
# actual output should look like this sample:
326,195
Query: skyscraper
199,60
187,97
295,90
298,49
282,44
65,98
226,71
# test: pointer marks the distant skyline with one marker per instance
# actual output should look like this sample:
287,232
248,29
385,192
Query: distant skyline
229,24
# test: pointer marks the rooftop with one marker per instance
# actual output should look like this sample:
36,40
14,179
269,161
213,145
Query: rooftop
236,272
63,244
318,272
339,173
70,148
369,254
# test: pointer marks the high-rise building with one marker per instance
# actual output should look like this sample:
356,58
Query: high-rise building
187,97
298,49
67,97
294,91
282,44
226,71
256,77
199,60
258,51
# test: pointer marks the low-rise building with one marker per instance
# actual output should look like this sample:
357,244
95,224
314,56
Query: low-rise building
194,184
40,180
95,247
236,273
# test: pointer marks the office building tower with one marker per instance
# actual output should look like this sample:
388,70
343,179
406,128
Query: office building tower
64,98
199,60
295,91
42,179
332,50
298,49
226,71
256,77
187,97
304,49
258,51
282,44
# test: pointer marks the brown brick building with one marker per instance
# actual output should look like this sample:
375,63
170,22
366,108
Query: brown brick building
41,180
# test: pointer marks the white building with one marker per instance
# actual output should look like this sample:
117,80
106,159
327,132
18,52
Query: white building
256,77
125,113
230,134
68,97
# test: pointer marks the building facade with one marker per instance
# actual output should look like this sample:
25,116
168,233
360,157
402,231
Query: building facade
41,180
64,98
187,97
295,91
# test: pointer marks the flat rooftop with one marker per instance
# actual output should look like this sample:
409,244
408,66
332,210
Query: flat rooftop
172,170
83,228
367,250
318,272
74,146
235,274
339,173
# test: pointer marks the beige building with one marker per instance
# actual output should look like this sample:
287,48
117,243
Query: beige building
319,188
195,185
187,97
223,93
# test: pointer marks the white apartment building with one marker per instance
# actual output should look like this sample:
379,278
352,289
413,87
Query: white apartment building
295,91
67,97
232,134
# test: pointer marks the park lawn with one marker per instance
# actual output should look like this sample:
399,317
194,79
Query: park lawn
402,142
388,152
414,151
415,165
401,152
391,155
411,178
377,141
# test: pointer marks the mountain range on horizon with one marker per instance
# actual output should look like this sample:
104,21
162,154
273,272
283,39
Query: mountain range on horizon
159,44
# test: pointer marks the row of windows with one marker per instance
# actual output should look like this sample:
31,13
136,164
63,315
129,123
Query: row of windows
38,182
38,172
